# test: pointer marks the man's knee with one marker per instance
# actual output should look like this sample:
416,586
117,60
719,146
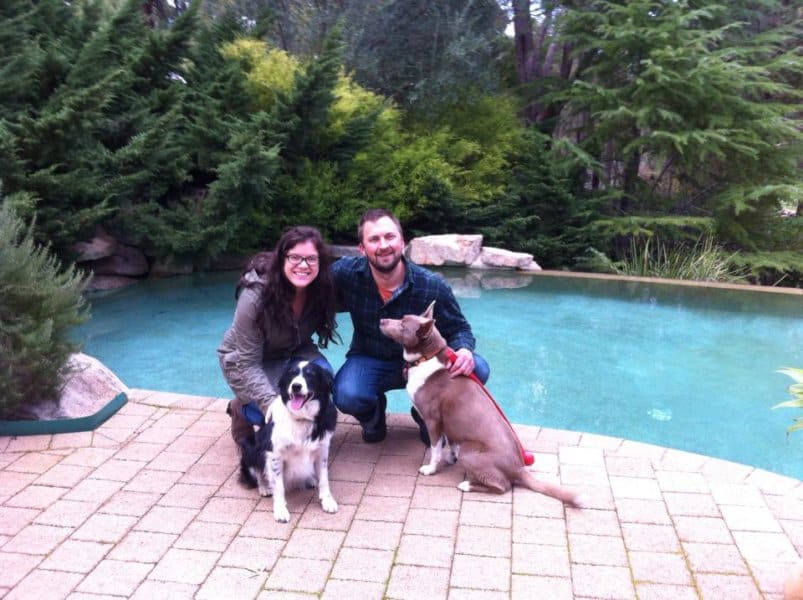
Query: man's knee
353,397
481,368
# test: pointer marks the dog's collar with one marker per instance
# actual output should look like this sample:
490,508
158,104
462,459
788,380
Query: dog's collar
445,350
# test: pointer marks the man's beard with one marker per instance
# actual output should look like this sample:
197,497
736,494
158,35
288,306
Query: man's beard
382,268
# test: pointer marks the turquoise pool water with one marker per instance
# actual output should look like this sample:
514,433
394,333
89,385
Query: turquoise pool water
683,367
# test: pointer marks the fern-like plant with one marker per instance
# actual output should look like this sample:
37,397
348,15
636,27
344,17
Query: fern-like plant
796,389
39,303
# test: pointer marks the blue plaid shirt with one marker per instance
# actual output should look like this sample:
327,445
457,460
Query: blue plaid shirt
359,296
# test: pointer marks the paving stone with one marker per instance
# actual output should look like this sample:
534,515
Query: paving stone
718,587
363,564
485,514
597,549
596,522
432,522
413,583
658,538
337,589
715,558
149,506
425,551
484,541
41,583
481,572
184,566
76,556
37,539
299,575
636,510
313,543
691,504
541,559
527,587
659,567
115,577
383,508
599,581
228,582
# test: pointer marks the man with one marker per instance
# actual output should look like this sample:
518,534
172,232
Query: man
383,284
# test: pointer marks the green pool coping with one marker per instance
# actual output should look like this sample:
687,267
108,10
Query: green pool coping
88,423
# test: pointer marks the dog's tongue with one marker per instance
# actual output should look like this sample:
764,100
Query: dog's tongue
297,401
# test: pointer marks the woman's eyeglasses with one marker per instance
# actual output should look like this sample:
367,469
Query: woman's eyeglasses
297,259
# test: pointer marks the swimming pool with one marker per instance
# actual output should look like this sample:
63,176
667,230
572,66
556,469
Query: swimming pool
685,367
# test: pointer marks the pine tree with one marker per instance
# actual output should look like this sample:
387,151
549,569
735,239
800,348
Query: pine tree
677,111
538,214
39,303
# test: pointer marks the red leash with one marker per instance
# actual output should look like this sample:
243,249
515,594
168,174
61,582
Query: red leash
526,455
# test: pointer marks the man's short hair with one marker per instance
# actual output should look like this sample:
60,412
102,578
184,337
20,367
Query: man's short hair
372,215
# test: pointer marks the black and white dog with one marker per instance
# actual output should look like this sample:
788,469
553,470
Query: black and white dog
291,450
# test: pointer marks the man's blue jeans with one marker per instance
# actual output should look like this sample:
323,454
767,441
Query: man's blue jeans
362,379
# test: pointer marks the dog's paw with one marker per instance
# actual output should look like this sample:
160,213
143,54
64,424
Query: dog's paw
281,514
329,504
265,491
427,469
464,486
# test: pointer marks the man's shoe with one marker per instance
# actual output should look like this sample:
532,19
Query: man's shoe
422,427
375,429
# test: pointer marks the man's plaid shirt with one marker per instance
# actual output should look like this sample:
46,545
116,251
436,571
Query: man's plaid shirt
358,294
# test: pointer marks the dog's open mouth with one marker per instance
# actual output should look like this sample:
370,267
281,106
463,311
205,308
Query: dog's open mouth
297,401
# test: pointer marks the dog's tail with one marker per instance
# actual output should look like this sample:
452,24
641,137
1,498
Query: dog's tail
565,494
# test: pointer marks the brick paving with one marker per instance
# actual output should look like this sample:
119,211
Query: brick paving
148,506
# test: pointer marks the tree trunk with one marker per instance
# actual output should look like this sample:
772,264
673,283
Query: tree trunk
523,39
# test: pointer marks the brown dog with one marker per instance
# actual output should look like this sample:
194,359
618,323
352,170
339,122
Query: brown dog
459,409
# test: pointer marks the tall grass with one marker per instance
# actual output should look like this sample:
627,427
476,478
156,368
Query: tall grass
700,261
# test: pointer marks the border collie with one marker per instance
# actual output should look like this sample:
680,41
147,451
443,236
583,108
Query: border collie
291,449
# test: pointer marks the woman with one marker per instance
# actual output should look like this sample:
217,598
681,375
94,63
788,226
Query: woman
282,299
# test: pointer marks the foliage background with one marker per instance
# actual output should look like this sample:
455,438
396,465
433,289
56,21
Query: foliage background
195,129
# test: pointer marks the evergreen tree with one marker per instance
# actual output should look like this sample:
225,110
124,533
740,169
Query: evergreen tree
39,303
677,113
538,214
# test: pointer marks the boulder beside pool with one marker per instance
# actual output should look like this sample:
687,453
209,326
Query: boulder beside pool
91,394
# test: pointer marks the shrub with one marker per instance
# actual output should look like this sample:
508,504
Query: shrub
702,261
796,389
39,303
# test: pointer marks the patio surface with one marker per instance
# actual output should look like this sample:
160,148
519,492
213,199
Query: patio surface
148,506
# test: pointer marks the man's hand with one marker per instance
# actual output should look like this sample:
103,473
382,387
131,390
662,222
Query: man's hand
463,363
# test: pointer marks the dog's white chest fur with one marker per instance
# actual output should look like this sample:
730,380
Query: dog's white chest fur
418,375
292,441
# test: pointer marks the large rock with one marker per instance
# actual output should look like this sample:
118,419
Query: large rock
126,261
100,246
110,282
446,249
168,266
89,387
497,258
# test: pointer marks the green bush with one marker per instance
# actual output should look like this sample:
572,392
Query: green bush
39,303
701,261
796,389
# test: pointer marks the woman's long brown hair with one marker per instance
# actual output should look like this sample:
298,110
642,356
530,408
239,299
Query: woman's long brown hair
277,293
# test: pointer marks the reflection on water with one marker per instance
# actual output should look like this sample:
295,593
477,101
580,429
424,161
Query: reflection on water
684,367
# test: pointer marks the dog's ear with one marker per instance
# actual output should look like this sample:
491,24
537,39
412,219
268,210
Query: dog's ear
425,327
427,314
